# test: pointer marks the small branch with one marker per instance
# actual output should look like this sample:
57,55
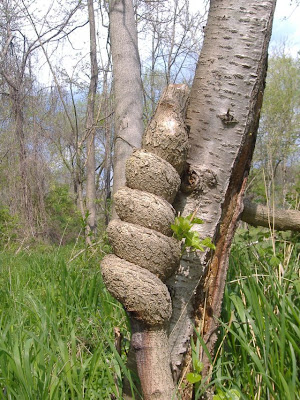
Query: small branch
6,46
281,220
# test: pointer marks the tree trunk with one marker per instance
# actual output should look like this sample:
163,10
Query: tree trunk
127,86
108,150
91,130
223,116
146,252
18,112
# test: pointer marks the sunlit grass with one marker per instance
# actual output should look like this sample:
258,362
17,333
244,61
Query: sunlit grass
260,355
56,328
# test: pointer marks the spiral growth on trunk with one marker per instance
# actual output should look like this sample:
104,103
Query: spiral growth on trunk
145,253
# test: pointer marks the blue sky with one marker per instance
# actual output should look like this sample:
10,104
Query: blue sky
286,26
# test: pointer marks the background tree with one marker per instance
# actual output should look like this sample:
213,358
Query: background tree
276,158
171,37
17,80
91,129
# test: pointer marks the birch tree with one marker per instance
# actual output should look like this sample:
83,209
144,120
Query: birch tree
163,299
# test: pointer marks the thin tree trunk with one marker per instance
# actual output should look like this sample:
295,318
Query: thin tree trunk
127,86
18,109
108,150
128,95
107,176
152,358
91,130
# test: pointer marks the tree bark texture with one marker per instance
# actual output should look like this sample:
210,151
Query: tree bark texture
18,101
145,252
281,220
127,85
222,117
151,348
91,129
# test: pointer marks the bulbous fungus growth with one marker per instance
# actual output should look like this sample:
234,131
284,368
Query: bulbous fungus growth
146,254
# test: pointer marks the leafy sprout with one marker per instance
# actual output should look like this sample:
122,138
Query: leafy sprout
182,230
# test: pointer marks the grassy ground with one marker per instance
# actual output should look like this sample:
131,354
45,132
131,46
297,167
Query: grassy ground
56,328
258,354
57,320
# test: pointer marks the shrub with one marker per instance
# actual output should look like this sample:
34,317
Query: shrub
64,222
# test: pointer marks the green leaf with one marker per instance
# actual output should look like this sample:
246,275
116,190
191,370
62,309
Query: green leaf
192,240
197,221
219,396
181,227
233,394
193,377
274,261
182,230
208,243
198,366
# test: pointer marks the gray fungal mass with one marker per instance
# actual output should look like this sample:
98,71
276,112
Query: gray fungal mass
145,253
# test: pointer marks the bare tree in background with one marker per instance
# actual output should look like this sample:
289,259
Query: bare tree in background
127,85
91,130
17,49
171,38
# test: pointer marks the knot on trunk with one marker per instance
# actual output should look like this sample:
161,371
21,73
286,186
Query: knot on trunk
146,254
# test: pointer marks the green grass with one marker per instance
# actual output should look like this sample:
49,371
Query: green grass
56,328
57,320
259,346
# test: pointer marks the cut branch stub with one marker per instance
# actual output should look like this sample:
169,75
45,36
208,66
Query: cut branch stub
147,248
166,135
150,173
144,209
151,302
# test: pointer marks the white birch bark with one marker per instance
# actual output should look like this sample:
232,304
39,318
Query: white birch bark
223,116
